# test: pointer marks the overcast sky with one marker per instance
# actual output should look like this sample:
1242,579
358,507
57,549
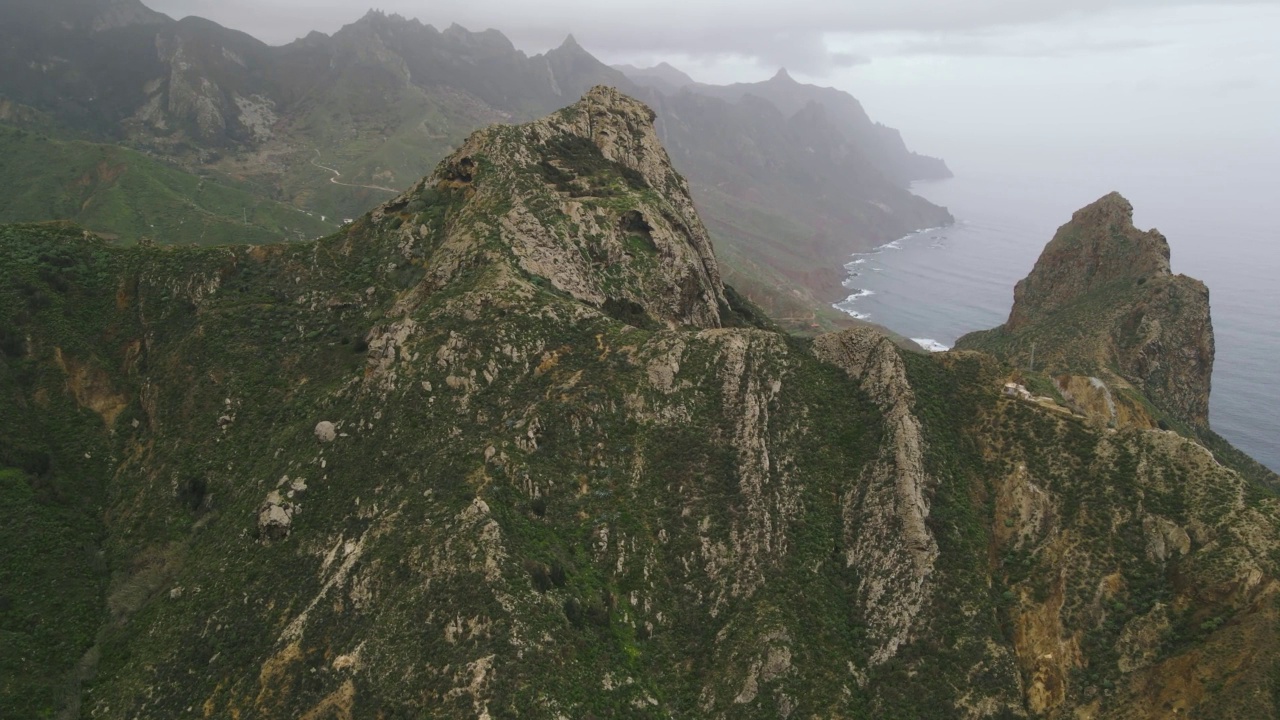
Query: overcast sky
955,75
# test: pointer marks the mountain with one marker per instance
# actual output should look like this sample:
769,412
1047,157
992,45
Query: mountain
508,445
1103,314
1102,297
336,124
662,76
882,146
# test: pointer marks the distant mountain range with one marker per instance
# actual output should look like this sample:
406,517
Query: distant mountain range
790,177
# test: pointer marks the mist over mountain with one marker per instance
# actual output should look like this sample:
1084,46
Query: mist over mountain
791,177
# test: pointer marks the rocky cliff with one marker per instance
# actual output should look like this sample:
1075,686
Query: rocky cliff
507,446
1102,300
548,185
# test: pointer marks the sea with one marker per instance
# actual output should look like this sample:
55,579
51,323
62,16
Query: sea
937,284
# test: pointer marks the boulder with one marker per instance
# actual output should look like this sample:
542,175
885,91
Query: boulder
326,431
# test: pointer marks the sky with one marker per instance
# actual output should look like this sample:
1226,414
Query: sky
977,79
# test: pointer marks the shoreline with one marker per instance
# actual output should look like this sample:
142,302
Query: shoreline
860,258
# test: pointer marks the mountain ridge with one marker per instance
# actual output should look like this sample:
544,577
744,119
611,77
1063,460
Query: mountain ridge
471,455
881,145
385,98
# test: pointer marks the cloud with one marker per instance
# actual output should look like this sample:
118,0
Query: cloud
1018,47
801,34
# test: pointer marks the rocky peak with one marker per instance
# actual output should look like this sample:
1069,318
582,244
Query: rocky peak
782,76
75,16
685,288
1102,300
1098,248
622,128
484,41
593,207
672,74
663,76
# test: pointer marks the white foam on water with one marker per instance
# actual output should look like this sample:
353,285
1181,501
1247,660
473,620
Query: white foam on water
851,312
930,344
846,306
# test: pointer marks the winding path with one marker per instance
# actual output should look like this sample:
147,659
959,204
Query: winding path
337,175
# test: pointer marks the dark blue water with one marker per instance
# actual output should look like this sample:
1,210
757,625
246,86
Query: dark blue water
936,285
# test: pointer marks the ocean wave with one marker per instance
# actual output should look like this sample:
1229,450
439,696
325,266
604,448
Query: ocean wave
846,306
930,344
851,312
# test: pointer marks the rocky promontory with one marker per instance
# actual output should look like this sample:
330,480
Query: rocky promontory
1102,299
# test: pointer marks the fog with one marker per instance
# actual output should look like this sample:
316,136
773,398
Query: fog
1018,81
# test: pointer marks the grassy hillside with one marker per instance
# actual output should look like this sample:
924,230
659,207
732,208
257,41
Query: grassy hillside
117,191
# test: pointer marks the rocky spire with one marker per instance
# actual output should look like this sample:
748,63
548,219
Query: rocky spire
1099,247
570,44
1102,300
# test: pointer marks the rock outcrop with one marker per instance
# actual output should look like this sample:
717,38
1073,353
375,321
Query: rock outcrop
1098,249
590,204
886,516
1102,300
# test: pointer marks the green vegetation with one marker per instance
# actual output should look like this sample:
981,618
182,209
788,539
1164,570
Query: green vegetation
124,193
56,293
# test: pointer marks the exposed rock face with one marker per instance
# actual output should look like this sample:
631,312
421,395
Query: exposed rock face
1102,299
274,518
649,259
1097,249
1096,400
885,515
326,431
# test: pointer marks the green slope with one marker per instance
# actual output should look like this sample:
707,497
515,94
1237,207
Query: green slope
117,191
55,462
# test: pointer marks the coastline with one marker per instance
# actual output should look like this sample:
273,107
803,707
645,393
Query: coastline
861,258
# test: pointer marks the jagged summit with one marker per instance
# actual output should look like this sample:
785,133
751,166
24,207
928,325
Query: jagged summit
569,43
592,206
121,13
1102,300
782,76
1100,246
